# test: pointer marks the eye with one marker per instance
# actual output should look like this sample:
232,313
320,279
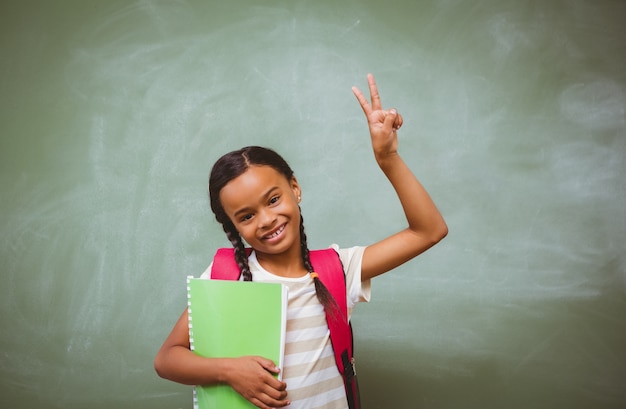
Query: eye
245,217
274,199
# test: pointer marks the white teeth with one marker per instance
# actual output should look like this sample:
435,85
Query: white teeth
276,233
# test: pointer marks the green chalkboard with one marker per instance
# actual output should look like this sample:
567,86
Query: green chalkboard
112,113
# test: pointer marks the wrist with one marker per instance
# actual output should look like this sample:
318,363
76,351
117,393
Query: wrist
387,160
224,370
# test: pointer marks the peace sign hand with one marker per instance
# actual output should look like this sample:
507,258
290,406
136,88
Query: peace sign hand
383,124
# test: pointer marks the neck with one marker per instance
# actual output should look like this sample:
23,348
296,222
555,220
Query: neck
288,265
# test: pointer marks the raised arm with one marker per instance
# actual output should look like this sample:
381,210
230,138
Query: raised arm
426,226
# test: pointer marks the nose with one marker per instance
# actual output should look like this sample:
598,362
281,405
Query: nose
266,218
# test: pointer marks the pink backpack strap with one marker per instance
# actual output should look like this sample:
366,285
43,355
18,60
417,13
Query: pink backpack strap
225,266
329,269
327,265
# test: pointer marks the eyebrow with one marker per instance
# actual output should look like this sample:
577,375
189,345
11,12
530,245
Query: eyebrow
264,196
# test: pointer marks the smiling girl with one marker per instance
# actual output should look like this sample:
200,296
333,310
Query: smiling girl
255,196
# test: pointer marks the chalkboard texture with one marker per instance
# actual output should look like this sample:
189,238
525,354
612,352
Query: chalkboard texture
112,113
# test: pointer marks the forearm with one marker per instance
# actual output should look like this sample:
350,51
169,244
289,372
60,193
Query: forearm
179,364
423,217
426,226
176,362
253,377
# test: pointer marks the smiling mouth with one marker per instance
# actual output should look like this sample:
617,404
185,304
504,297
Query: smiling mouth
276,233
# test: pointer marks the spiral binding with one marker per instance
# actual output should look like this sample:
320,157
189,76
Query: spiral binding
190,321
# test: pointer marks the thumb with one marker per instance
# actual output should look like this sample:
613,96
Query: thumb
390,118
268,365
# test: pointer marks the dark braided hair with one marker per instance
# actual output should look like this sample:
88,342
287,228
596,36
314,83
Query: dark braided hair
234,164
323,295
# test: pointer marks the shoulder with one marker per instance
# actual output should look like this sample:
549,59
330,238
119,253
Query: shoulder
207,273
351,257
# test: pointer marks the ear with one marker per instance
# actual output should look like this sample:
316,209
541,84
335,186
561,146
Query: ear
295,188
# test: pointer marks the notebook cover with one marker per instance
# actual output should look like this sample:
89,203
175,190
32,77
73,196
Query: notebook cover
231,319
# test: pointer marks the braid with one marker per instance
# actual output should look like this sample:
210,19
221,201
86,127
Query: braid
241,257
323,295
304,247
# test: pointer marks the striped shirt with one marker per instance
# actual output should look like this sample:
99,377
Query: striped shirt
310,371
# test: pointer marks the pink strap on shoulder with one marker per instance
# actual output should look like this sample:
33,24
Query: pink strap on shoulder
225,266
327,265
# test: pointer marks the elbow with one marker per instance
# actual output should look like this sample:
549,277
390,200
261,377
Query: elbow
438,233
427,238
442,231
159,365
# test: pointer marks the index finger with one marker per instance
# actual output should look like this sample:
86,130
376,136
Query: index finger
367,109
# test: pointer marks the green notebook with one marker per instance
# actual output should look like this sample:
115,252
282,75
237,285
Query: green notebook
232,319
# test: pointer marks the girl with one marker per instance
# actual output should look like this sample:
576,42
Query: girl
256,197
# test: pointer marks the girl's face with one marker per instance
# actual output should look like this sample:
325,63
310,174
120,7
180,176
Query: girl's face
263,206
